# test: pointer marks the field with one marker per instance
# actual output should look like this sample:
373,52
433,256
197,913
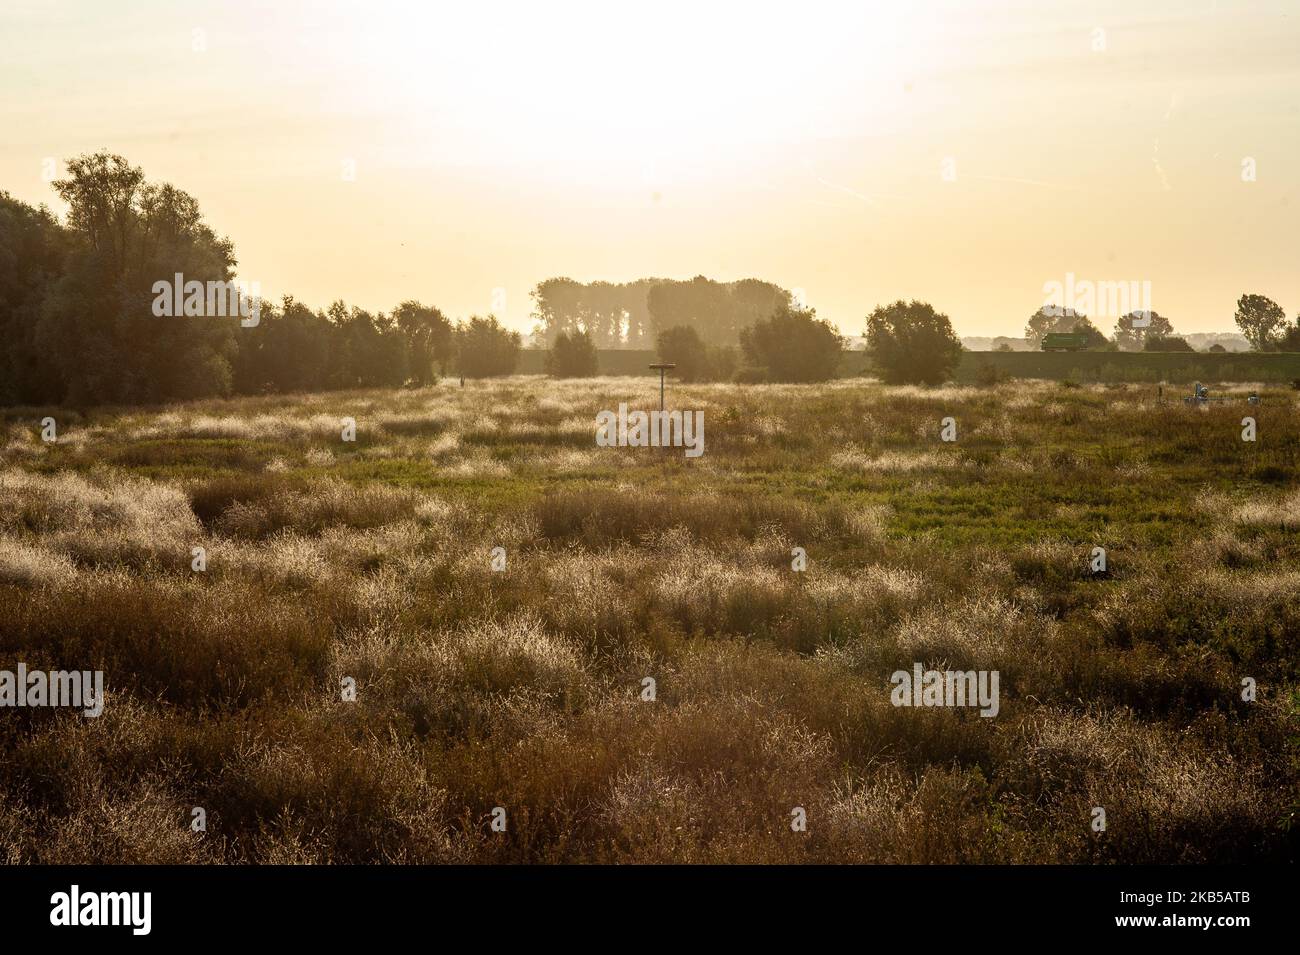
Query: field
332,563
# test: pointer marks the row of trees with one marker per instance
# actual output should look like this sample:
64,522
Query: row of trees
1261,320
634,314
908,342
78,324
791,344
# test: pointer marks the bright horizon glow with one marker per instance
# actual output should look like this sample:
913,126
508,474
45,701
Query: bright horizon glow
502,143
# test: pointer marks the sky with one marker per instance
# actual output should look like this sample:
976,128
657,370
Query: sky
970,154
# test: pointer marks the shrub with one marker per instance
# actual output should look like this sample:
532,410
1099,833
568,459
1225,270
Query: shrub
572,356
485,349
1167,343
911,343
695,360
793,345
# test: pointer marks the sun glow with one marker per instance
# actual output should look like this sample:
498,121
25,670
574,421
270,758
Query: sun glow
607,86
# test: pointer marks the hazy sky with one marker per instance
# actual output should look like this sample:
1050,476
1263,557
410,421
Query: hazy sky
966,153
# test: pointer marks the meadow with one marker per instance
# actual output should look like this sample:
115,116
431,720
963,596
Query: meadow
371,563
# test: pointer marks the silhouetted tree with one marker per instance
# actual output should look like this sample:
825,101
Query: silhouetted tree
1130,337
572,356
97,324
1053,318
793,345
1260,320
33,251
695,360
429,340
911,343
1290,340
484,349
718,312
1167,343
289,350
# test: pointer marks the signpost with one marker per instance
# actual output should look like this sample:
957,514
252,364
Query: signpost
662,369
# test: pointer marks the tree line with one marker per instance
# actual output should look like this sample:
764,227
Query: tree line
79,326
633,314
1261,320
78,323
908,341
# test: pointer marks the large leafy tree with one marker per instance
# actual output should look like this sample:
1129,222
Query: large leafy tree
1052,318
1290,339
485,349
793,345
1261,321
429,336
911,343
1132,335
97,323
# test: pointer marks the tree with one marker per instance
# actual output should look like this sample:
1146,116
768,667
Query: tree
289,350
793,345
1132,337
912,343
627,315
1095,338
33,251
695,360
82,321
1053,318
429,336
485,349
1050,318
1260,320
1290,340
572,356
717,311
97,323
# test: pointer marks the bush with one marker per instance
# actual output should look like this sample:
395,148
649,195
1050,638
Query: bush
793,345
695,360
911,343
1167,343
572,356
485,349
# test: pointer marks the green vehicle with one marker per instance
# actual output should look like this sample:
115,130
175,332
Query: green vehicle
1065,341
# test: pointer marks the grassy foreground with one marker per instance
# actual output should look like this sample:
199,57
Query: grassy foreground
522,688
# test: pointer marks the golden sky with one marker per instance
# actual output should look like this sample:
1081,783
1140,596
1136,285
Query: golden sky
965,153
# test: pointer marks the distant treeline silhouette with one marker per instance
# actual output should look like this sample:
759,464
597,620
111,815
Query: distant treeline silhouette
78,322
633,314
81,322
